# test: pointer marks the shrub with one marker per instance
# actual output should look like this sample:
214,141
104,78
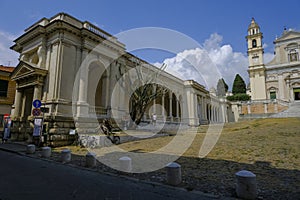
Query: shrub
238,97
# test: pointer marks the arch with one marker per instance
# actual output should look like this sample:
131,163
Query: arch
272,92
254,43
97,87
293,45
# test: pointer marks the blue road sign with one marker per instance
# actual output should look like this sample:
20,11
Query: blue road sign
37,103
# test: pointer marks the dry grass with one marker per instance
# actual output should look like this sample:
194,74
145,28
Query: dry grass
268,147
276,141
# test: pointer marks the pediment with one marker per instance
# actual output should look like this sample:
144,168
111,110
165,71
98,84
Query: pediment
25,69
288,36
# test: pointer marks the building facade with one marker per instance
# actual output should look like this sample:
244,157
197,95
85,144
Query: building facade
7,92
274,86
280,78
73,68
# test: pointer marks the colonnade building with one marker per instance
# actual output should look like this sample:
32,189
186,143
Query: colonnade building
72,67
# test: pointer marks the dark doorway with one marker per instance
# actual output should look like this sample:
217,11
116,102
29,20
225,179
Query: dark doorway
296,94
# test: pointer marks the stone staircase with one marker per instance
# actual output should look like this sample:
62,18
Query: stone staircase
292,111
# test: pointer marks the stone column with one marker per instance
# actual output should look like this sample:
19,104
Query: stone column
177,108
37,92
82,105
18,103
275,107
195,109
249,107
213,114
154,101
266,107
170,106
204,108
163,106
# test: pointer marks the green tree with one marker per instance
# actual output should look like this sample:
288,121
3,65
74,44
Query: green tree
239,86
222,88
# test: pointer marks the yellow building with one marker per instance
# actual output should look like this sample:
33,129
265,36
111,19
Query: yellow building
7,91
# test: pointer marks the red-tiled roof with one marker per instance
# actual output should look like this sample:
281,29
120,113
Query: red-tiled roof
6,69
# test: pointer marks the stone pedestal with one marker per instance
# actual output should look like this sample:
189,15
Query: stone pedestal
125,164
46,152
173,173
30,149
65,155
246,185
90,160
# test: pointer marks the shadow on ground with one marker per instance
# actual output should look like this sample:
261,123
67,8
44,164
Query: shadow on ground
212,176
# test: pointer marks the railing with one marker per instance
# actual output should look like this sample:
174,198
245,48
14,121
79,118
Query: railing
280,101
283,102
96,30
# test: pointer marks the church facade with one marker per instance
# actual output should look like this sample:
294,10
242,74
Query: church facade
71,67
274,86
280,78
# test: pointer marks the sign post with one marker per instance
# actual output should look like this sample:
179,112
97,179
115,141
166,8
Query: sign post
38,121
37,103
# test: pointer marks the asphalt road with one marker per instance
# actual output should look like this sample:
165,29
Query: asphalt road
27,178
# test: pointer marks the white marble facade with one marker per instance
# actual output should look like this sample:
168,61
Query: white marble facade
280,78
71,66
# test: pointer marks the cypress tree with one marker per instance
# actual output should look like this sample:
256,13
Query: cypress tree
239,86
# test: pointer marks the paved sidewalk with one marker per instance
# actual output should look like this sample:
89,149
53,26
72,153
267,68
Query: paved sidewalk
20,149
14,147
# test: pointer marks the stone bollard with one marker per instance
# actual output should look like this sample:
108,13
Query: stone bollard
173,173
46,152
90,159
246,185
65,155
125,164
30,149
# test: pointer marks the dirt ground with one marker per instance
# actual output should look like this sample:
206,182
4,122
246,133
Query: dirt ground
268,147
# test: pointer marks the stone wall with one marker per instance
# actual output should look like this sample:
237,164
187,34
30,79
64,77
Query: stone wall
262,107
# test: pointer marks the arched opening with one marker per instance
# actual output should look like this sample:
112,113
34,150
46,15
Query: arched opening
174,100
254,43
97,85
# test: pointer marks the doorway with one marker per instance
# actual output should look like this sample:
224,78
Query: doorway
296,94
27,102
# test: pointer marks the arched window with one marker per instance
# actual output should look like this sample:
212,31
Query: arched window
254,44
293,55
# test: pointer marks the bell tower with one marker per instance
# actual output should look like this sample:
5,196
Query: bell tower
256,67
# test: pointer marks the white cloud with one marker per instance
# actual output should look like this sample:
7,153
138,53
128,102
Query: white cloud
265,45
209,63
7,56
268,57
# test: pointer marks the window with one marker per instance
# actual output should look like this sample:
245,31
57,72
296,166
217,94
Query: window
272,95
3,88
1,120
293,55
254,44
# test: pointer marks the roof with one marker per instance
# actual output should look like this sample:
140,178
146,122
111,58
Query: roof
6,68
288,35
253,24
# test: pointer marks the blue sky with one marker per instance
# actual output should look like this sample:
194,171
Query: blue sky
227,20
